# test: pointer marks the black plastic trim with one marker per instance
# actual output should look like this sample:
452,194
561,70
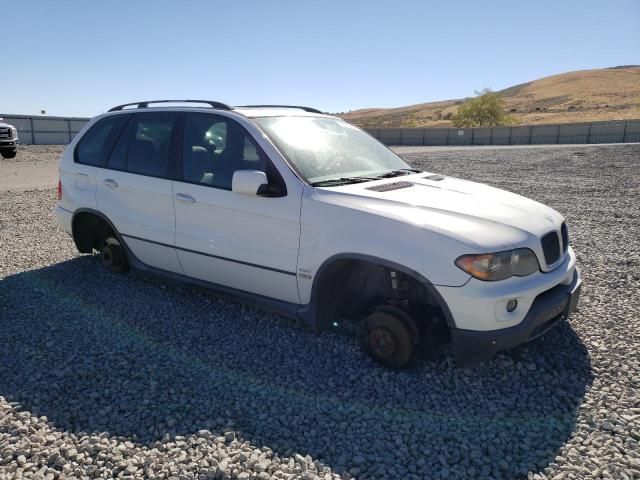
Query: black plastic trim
279,307
263,267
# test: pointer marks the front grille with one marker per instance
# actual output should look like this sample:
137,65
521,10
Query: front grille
565,237
5,133
387,187
551,247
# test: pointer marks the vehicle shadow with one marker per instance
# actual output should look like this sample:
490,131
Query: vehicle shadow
98,352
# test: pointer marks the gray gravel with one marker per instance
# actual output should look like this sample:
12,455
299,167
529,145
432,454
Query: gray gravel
120,376
35,167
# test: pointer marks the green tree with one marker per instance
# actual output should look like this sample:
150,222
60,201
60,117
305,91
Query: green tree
486,109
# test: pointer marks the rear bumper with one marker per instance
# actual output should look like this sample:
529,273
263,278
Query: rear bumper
64,218
547,310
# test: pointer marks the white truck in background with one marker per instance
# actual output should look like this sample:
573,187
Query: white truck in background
8,140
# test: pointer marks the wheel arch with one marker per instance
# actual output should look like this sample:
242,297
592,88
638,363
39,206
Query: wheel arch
316,316
84,242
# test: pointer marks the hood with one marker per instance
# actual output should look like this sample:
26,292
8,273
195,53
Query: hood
484,217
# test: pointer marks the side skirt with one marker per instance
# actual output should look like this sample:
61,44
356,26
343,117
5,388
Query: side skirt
279,307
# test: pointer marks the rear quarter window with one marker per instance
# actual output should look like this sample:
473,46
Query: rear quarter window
95,145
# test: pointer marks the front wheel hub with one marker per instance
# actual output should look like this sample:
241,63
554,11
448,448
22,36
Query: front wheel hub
386,338
382,342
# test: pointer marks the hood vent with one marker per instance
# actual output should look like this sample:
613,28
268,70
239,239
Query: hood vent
435,178
387,187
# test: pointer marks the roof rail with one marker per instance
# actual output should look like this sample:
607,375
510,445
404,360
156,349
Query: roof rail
145,104
306,109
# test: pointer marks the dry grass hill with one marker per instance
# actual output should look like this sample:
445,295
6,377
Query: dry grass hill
581,96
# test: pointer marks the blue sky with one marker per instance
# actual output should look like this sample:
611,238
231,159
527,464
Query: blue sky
73,57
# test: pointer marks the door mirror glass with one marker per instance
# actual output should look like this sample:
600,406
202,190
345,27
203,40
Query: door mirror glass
248,182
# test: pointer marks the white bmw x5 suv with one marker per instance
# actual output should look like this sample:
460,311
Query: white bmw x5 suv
306,215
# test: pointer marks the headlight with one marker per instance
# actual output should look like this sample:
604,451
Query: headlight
14,132
498,266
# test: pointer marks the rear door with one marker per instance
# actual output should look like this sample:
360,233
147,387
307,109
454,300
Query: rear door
90,156
244,242
134,189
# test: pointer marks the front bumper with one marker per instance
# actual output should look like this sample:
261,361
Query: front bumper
9,144
547,310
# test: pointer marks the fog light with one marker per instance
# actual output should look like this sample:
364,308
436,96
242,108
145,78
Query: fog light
512,305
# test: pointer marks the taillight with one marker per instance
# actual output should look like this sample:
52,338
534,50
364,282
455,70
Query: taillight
59,190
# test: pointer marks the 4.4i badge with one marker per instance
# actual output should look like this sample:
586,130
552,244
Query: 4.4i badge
304,273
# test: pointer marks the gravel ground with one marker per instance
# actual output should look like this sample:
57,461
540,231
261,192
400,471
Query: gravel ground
35,167
120,376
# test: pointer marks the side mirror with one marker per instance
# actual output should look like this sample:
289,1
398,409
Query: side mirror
248,182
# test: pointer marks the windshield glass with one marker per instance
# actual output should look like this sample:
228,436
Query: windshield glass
328,148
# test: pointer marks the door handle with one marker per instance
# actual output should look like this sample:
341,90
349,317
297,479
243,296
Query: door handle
183,197
110,182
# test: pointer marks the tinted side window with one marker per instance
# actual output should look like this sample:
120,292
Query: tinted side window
148,152
94,146
215,147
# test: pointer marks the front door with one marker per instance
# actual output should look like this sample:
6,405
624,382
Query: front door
244,242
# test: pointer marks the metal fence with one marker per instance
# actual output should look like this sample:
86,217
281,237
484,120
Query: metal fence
34,130
567,133
44,130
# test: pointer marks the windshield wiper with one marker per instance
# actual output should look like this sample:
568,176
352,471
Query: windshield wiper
347,180
342,181
398,172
